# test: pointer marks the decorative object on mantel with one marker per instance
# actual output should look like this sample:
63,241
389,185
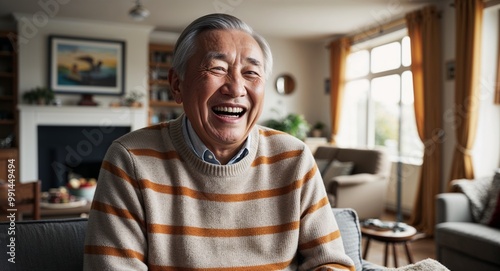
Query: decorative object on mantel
87,100
39,95
294,124
133,98
138,12
317,129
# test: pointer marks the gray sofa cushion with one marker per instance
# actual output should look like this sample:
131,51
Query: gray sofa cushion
477,240
37,242
350,231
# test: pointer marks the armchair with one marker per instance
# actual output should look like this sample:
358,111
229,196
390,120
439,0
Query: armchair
364,189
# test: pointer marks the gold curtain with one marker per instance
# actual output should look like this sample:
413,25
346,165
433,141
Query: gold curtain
424,30
339,50
469,17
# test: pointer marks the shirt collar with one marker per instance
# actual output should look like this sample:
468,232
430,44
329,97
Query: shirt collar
202,151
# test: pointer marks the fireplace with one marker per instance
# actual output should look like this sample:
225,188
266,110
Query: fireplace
56,141
72,151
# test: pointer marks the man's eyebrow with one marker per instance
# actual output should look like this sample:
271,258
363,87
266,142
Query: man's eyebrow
222,56
215,55
254,61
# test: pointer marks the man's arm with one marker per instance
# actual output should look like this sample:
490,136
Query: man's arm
116,232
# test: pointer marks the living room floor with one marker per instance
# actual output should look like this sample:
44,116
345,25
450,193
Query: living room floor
421,248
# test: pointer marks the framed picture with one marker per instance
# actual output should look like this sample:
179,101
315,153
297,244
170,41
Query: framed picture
86,66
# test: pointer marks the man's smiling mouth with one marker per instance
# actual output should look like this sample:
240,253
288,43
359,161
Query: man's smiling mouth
227,111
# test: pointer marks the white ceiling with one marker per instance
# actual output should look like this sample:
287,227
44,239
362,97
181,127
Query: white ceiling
297,19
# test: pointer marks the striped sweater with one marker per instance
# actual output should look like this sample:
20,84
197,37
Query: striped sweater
158,206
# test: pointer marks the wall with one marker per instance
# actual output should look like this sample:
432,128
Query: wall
298,59
33,53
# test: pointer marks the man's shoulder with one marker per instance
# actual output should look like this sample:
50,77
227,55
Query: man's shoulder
143,136
271,136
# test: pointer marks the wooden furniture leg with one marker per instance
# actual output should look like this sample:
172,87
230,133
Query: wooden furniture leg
408,253
367,246
386,255
394,254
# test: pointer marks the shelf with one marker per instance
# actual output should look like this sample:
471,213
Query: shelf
160,65
6,98
7,122
159,82
156,103
6,74
6,53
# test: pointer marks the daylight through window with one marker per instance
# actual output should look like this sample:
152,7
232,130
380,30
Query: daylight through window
378,98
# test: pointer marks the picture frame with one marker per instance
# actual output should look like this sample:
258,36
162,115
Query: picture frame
86,66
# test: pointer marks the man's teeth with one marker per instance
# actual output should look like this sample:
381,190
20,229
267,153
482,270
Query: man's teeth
225,109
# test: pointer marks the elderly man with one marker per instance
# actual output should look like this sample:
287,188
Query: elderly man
212,190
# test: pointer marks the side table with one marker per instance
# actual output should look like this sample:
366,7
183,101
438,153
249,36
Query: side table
390,237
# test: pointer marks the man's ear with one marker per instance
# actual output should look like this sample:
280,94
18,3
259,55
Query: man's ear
174,80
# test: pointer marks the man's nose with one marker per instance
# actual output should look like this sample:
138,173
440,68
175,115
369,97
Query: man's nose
235,85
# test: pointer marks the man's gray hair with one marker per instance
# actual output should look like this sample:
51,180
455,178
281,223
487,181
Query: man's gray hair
185,45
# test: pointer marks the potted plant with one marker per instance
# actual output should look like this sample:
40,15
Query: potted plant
133,99
294,124
39,95
317,129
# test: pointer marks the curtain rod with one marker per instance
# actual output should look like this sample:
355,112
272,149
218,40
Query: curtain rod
377,31
374,32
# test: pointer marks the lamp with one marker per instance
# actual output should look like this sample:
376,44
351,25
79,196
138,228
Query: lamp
138,12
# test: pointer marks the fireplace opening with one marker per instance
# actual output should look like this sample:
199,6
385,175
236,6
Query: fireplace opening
65,152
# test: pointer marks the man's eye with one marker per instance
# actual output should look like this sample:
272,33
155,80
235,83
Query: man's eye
252,74
218,69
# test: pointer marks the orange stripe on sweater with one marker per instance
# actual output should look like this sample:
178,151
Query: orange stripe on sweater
267,133
322,202
158,126
338,266
153,153
276,158
188,192
210,232
264,267
110,209
119,173
321,240
113,251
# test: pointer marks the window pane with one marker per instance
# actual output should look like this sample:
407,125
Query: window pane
386,57
352,130
406,61
357,64
385,93
411,145
407,85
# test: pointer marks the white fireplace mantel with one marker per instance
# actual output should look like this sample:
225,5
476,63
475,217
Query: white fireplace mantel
33,116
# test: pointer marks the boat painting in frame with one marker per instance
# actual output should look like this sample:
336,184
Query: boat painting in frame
86,66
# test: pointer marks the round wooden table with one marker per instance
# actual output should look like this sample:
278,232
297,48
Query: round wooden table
390,237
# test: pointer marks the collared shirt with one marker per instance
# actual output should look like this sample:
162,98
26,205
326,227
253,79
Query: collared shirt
203,152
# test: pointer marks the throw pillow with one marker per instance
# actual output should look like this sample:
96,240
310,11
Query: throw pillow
492,199
347,220
495,218
337,168
477,193
322,164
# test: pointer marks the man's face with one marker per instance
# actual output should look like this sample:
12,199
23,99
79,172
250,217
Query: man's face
223,88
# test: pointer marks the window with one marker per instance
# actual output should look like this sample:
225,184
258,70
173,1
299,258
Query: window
378,99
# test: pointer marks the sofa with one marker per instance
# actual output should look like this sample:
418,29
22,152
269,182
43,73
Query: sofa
58,244
355,178
461,243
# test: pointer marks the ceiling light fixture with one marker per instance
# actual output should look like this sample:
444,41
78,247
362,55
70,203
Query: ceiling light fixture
138,12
